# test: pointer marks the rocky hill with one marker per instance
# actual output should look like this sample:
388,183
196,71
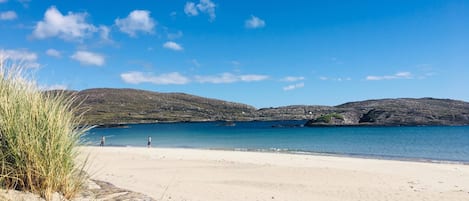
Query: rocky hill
116,106
121,106
408,111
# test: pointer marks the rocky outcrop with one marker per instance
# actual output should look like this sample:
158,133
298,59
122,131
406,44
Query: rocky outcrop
405,112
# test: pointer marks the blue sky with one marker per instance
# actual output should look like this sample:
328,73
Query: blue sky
262,53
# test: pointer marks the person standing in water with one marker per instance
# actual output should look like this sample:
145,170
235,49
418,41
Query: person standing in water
103,140
149,142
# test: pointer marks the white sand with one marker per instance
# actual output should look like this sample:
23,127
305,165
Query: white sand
208,175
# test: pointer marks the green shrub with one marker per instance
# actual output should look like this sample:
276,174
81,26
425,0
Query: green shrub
39,137
328,118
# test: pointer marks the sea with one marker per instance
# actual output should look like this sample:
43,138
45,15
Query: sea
422,143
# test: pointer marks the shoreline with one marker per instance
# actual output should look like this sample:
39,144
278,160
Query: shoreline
196,174
128,124
307,153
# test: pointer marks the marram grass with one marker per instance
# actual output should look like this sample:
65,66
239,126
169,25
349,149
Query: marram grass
39,137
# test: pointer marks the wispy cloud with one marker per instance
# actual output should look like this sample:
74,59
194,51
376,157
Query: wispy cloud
204,6
399,75
136,21
173,36
25,3
136,77
294,86
163,79
68,27
195,62
334,60
8,15
104,32
190,9
235,63
292,79
254,23
230,78
24,57
88,58
338,79
53,87
53,53
173,46
253,78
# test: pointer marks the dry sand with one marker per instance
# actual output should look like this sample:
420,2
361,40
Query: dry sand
209,175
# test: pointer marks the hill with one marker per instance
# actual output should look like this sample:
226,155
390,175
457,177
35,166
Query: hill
121,106
115,106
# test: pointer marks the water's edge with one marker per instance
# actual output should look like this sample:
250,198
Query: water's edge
310,153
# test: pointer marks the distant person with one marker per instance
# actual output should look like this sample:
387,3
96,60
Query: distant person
149,142
103,140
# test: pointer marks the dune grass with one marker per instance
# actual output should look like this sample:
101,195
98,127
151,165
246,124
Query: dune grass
39,136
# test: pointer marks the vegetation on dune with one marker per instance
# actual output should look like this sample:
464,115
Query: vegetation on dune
39,137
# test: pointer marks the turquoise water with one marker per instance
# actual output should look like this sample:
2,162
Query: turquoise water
429,143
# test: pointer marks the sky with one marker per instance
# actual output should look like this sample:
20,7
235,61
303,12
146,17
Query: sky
257,52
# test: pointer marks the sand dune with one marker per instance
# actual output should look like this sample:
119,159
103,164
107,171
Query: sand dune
209,175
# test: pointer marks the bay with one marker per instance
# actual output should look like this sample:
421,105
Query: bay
441,143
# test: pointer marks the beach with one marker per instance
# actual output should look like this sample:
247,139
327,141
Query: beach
209,175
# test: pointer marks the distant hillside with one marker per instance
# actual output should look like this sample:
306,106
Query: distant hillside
408,111
121,106
113,106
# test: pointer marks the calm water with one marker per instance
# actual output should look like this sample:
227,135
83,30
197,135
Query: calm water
435,143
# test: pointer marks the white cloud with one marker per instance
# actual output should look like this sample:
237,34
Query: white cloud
294,86
254,22
204,6
403,74
190,9
53,53
230,78
136,77
88,58
104,33
222,78
253,78
207,6
292,79
173,46
53,87
3,1
136,21
163,79
8,15
68,27
23,57
399,75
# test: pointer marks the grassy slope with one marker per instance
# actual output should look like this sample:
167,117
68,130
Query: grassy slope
130,105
